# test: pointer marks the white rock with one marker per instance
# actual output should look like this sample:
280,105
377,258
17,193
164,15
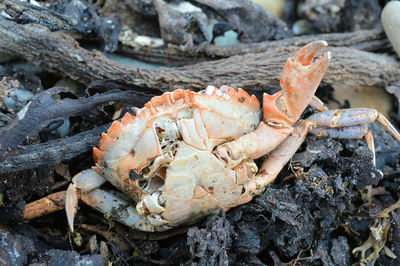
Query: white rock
229,38
302,26
391,23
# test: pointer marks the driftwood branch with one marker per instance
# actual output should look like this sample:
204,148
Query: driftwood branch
367,40
52,152
26,12
44,110
60,53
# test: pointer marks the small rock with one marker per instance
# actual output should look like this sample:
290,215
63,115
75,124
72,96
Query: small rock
21,95
17,99
229,38
14,248
218,28
302,26
64,257
391,23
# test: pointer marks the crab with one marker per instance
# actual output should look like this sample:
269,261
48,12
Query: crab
188,154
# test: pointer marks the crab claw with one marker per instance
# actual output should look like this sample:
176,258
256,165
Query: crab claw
82,182
299,81
306,54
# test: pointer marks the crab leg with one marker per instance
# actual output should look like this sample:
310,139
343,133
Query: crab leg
278,158
49,204
351,132
345,124
83,182
352,117
119,207
321,124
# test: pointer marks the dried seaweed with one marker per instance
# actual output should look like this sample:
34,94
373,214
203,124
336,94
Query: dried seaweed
209,245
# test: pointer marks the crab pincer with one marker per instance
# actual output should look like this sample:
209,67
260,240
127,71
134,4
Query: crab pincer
299,81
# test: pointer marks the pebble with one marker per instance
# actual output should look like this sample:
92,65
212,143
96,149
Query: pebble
391,23
302,26
17,99
229,38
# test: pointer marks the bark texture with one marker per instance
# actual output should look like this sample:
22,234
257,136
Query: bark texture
58,52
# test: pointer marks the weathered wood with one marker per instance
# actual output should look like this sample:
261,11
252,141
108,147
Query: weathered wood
27,12
52,152
367,40
44,110
60,53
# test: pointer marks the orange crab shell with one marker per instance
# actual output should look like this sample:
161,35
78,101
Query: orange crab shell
217,113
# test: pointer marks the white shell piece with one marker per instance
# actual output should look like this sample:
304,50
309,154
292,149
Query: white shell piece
141,40
151,203
185,7
158,162
170,128
129,38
